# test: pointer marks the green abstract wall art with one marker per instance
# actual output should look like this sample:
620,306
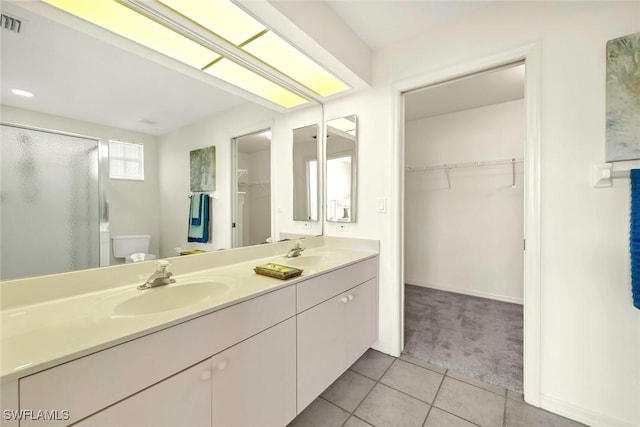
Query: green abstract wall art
203,169
623,98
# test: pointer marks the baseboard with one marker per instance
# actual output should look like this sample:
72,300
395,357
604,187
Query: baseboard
503,298
585,416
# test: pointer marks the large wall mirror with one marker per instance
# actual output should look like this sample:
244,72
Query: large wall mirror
306,173
341,169
87,82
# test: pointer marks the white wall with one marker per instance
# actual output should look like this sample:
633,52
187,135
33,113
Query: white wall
468,238
590,333
133,205
219,130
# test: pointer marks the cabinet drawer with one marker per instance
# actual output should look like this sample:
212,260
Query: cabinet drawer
318,289
86,385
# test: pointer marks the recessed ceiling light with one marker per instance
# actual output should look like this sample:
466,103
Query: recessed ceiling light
22,92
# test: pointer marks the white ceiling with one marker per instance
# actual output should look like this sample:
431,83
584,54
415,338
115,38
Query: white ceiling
79,76
381,23
487,88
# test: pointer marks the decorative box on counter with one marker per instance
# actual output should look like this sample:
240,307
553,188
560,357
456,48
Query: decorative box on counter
277,271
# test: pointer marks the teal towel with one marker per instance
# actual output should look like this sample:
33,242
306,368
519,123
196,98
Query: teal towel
200,232
195,212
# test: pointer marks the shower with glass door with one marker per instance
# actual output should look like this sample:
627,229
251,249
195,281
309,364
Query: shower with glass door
53,213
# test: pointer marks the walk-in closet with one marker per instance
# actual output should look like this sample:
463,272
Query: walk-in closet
463,222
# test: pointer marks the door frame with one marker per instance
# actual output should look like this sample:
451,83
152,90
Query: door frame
531,55
234,182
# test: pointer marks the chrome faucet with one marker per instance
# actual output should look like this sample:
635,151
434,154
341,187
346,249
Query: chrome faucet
160,277
297,249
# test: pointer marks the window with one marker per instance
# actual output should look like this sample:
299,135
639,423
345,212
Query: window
126,160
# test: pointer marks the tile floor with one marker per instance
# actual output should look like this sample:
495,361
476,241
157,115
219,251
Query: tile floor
380,390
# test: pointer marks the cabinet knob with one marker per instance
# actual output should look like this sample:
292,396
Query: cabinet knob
205,375
222,365
344,300
350,297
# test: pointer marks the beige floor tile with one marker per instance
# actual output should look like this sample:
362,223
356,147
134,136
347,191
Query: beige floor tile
372,364
418,382
348,391
471,403
386,407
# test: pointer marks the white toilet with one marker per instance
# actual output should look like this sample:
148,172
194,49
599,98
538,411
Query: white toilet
132,248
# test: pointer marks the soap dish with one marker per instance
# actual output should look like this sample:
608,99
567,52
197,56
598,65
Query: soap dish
191,252
277,271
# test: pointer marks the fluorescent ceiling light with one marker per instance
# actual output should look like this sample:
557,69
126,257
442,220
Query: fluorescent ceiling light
22,92
220,17
230,22
274,51
126,22
242,77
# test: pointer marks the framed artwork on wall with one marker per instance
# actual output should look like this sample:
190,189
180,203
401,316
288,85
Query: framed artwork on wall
623,98
203,169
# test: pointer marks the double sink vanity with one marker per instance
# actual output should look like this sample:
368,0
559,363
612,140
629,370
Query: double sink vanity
222,346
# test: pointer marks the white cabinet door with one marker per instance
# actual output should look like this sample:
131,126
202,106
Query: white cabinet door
361,324
181,400
333,335
254,382
321,348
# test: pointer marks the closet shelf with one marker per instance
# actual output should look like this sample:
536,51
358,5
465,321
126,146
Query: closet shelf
447,167
464,165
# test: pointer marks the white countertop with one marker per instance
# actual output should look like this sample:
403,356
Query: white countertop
41,335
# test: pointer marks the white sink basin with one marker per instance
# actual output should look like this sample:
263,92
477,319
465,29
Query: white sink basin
170,297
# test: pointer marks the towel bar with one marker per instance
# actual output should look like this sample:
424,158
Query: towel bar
602,175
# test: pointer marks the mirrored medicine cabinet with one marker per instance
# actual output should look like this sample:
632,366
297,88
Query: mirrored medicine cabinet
341,169
306,173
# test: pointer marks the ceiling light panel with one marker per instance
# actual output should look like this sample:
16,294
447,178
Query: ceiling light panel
126,22
252,82
221,17
230,22
279,54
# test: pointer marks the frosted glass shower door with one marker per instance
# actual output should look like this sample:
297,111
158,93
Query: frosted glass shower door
49,203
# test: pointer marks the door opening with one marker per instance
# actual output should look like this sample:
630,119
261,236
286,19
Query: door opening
251,179
464,199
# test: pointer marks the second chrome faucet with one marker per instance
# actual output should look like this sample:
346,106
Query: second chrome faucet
295,251
160,277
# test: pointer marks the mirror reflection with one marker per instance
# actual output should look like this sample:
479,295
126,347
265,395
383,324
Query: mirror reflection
103,87
341,170
305,173
251,222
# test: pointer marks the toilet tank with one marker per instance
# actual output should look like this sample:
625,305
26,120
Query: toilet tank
124,246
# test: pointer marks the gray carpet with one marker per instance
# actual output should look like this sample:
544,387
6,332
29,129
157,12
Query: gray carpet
477,337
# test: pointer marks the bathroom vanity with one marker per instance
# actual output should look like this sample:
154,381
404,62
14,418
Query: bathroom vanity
242,350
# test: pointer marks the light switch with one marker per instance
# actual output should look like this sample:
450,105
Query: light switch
382,205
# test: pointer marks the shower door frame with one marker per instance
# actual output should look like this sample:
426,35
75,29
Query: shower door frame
103,193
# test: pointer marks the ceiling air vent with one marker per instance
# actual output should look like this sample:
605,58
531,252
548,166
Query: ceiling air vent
10,23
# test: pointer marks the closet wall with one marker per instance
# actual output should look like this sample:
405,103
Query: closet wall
260,196
467,238
254,195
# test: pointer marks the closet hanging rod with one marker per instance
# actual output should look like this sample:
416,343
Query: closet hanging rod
448,166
